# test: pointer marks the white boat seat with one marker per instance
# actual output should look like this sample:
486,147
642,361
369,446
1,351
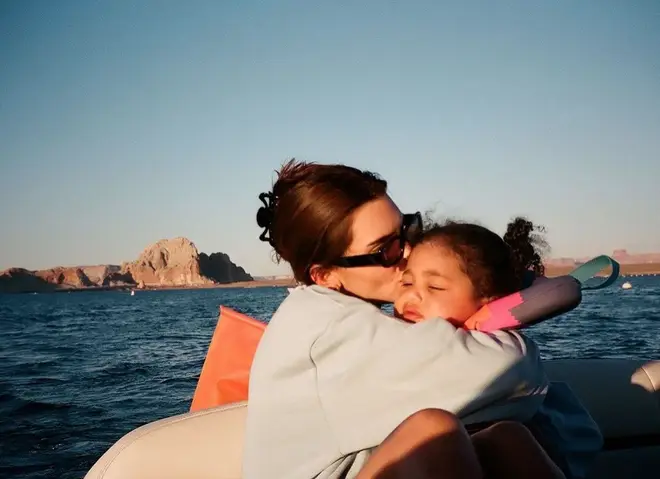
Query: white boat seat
623,396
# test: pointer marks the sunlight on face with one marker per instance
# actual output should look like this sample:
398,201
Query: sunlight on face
435,286
373,223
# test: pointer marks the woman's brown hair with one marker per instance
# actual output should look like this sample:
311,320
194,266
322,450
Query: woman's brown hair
307,215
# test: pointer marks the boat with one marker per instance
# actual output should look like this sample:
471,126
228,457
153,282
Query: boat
626,285
622,395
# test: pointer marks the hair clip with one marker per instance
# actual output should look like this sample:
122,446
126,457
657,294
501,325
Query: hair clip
265,215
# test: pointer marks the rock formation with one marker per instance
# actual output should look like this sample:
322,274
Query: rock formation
117,278
221,269
66,277
99,273
167,263
19,280
176,262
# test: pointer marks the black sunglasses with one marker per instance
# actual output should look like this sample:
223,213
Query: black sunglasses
391,252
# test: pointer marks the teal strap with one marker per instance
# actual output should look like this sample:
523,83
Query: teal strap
589,269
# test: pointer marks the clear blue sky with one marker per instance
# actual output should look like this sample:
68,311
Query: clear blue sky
125,122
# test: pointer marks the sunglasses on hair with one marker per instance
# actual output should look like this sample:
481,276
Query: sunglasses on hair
391,252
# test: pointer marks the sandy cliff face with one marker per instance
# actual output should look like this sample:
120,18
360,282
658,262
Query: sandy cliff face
176,262
167,263
73,277
99,273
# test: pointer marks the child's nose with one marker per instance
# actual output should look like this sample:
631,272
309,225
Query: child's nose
414,295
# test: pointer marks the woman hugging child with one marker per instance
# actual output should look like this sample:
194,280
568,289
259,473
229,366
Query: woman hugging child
456,268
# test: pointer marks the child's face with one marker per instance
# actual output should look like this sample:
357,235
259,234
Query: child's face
434,285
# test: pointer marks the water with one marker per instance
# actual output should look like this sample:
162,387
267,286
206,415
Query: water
77,371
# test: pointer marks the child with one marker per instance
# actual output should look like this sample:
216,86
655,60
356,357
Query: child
456,268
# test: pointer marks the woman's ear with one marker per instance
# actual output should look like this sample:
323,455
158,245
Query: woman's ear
325,277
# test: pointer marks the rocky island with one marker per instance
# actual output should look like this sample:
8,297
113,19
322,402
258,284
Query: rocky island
169,263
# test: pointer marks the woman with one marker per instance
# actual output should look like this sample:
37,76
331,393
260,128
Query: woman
340,390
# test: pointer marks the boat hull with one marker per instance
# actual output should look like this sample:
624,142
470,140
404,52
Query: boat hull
623,396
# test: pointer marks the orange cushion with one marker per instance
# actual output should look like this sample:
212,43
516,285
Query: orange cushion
226,371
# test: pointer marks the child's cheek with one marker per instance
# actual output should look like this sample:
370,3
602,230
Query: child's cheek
397,305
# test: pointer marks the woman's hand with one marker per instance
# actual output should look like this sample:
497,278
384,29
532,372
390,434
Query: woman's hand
474,321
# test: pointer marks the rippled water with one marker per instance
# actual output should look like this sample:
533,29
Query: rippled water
79,370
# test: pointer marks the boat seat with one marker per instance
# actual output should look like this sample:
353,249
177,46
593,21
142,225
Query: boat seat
206,444
623,396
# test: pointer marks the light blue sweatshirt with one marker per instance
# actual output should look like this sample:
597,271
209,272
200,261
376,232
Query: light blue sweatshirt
333,376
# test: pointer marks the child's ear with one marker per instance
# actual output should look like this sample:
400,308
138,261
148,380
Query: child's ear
325,277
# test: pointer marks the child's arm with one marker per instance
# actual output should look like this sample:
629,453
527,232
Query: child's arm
545,299
563,425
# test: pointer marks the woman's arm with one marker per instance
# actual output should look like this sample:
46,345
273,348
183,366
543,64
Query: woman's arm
373,371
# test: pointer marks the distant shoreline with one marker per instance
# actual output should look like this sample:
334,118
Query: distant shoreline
644,269
641,269
161,265
286,282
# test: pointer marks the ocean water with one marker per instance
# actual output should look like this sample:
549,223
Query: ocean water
79,370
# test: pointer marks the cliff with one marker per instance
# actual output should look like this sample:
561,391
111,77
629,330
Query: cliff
221,269
167,263
176,262
19,280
